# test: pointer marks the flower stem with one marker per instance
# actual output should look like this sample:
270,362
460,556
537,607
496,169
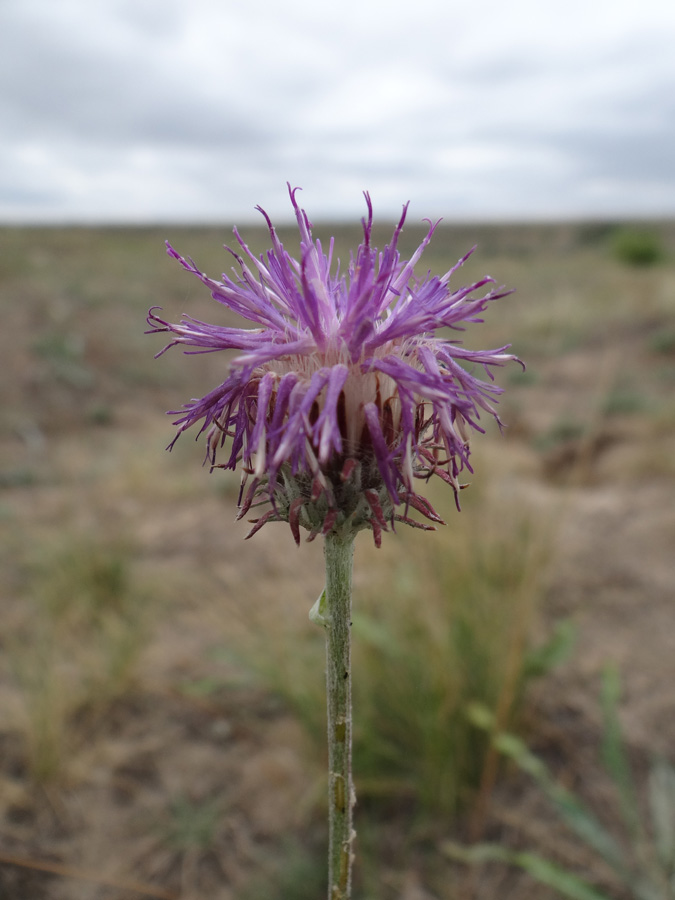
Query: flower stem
339,555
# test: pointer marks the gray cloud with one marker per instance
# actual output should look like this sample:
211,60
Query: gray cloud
142,110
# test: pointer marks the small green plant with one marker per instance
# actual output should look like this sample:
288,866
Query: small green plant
45,705
192,825
296,872
637,247
624,400
642,856
85,589
663,342
561,432
82,635
64,354
422,661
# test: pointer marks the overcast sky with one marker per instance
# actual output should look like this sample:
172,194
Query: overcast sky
197,110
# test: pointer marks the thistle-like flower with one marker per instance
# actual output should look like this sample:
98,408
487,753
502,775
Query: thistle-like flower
343,395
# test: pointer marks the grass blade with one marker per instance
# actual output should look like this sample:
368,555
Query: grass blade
613,751
542,870
570,808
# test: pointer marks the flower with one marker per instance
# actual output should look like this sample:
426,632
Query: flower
343,394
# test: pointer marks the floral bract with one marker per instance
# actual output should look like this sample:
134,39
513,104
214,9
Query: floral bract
342,395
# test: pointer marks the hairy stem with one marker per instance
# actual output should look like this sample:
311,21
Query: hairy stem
339,555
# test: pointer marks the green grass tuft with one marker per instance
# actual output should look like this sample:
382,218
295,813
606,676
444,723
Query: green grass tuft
82,636
637,247
192,825
444,625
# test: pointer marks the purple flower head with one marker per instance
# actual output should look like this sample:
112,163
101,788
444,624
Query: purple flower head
342,395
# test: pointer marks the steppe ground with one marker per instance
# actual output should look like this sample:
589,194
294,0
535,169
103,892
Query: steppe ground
138,755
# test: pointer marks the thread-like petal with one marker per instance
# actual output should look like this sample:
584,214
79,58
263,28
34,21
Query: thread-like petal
345,390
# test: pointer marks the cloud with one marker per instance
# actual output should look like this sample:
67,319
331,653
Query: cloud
133,110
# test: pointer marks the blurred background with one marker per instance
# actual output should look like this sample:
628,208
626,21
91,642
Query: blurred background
147,111
161,687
